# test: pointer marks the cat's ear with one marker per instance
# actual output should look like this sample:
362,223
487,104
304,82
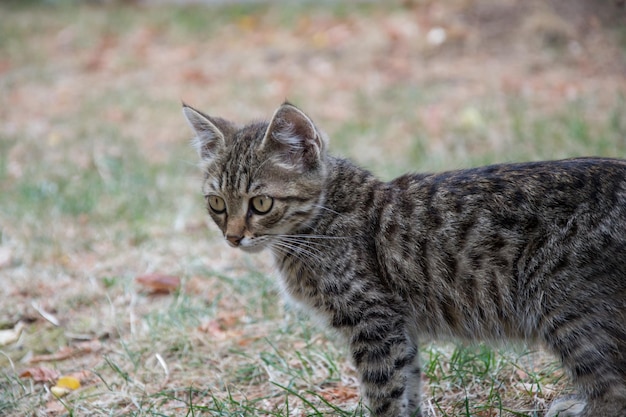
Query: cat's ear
293,139
210,132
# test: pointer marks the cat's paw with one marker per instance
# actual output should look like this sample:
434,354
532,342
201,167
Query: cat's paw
567,407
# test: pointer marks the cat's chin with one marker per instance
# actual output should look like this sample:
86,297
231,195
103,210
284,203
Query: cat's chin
252,249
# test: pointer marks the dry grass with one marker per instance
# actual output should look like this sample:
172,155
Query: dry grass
98,185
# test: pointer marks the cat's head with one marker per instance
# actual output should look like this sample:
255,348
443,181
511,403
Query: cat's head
262,180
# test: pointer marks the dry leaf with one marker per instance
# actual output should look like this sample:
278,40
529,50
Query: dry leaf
62,354
82,376
69,352
5,253
521,374
213,328
195,76
88,346
99,57
222,328
55,408
48,316
341,393
9,336
40,374
59,391
247,341
158,283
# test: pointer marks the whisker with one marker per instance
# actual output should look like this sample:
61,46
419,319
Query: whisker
303,257
325,208
311,252
317,245
297,243
302,241
311,236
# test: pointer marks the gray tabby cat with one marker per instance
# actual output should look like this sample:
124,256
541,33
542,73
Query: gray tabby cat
533,252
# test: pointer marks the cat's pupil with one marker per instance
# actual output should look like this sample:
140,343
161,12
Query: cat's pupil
217,204
261,204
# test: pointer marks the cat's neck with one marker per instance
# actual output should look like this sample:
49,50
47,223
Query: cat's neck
347,209
348,186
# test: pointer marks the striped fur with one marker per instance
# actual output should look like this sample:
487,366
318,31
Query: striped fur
534,252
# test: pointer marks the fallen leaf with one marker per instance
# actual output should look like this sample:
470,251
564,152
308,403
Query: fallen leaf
247,341
40,374
158,283
195,76
247,23
213,328
59,391
69,352
48,316
55,408
82,376
521,374
5,253
5,65
68,382
9,336
63,353
341,393
100,55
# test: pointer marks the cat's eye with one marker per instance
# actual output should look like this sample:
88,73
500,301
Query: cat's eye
217,204
261,204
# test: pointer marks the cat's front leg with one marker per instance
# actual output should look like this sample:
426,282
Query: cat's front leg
388,365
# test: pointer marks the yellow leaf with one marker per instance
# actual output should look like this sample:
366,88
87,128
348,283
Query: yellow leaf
68,382
247,23
320,40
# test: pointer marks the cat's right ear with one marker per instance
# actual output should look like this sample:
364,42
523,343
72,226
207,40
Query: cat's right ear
210,132
293,139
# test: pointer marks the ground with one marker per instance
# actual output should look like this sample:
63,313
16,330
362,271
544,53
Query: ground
111,271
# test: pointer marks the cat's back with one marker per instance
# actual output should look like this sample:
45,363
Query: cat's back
593,177
516,193
502,206
478,245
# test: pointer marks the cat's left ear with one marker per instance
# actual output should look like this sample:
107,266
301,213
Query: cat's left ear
211,132
293,139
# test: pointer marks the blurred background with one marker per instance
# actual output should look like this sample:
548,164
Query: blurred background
109,268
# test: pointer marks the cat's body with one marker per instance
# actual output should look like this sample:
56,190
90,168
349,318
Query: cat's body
533,252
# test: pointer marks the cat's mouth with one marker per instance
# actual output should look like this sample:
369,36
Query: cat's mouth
246,244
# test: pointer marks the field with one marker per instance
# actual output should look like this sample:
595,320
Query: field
110,270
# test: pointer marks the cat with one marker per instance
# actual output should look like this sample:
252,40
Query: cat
534,252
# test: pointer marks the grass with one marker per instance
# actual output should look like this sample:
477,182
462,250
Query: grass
98,186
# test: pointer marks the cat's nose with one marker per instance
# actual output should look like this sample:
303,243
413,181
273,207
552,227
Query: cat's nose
234,240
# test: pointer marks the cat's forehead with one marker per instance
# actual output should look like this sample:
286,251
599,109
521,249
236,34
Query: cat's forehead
243,144
237,170
233,178
254,132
